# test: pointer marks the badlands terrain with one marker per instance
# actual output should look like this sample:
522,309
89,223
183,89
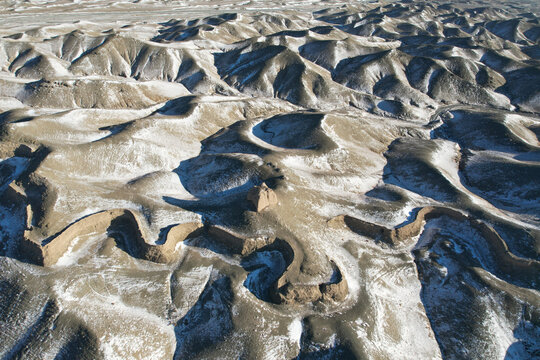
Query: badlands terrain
269,180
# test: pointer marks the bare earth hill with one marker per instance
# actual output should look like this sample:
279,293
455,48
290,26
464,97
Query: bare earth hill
269,180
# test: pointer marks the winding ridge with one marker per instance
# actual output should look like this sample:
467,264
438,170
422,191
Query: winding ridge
168,171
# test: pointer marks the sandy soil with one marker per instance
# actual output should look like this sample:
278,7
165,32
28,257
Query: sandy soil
269,180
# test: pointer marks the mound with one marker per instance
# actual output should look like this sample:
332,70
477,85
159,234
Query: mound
510,184
496,131
269,180
293,131
217,175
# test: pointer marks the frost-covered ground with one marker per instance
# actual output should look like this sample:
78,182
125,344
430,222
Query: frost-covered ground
121,122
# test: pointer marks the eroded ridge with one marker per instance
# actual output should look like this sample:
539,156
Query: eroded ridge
510,264
47,253
170,168
286,289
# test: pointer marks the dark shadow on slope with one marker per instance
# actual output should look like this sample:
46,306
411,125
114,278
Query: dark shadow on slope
292,33
244,66
264,267
385,194
10,169
509,185
337,352
91,49
114,130
179,30
163,233
82,345
527,334
217,176
225,212
125,234
220,177
521,241
319,341
232,140
409,166
481,130
292,131
523,88
36,332
456,299
208,322
287,81
179,106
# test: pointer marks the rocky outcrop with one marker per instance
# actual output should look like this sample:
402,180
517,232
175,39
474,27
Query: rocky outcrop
262,197
49,251
506,261
286,289
335,290
237,243
401,232
167,252
13,195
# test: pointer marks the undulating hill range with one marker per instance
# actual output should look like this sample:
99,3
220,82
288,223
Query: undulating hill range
269,180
